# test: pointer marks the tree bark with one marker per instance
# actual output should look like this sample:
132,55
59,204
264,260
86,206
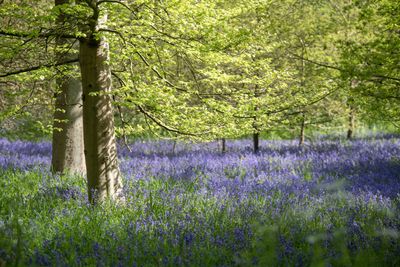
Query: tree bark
103,175
302,85
256,142
67,153
223,145
67,140
302,128
174,147
351,124
256,126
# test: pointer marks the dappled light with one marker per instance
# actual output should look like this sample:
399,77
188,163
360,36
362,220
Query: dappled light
199,133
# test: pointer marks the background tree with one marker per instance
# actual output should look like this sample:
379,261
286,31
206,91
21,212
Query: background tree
67,140
39,53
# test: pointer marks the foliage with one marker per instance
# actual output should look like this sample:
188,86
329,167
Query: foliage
209,69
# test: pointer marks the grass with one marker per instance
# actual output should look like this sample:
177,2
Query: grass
42,223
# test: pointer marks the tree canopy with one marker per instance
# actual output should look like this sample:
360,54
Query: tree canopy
197,70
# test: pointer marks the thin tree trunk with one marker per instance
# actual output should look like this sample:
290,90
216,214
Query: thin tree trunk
302,128
256,131
174,147
67,141
302,85
351,124
352,111
103,175
223,145
256,142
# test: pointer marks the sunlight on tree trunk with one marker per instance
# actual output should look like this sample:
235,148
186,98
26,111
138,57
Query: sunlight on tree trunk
98,119
103,175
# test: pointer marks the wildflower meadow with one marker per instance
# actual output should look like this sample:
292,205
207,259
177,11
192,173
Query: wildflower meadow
328,203
200,133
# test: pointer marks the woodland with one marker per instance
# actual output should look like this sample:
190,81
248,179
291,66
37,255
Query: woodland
199,133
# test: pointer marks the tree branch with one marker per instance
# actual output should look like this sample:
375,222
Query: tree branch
38,67
377,96
387,77
378,76
162,125
158,73
40,34
115,32
115,2
321,64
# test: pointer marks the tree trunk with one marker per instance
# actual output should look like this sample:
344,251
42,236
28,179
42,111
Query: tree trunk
256,125
223,145
302,86
67,142
302,128
351,126
174,147
67,153
103,175
256,143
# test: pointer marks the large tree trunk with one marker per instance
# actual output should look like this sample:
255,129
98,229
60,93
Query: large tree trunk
67,154
67,142
103,175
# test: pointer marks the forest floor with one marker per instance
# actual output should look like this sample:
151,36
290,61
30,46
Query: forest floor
328,203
